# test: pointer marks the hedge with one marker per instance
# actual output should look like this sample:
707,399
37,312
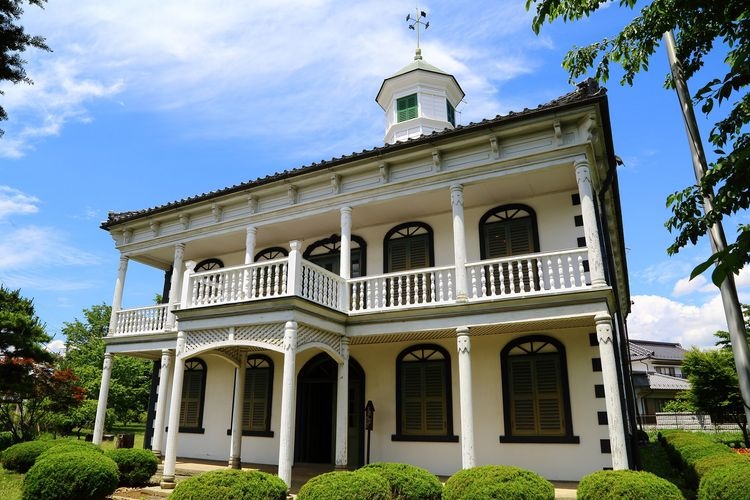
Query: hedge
136,466
497,482
80,475
359,485
626,484
408,482
727,482
67,446
231,485
20,457
6,439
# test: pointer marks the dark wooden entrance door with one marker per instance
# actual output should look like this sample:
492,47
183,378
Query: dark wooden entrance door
315,436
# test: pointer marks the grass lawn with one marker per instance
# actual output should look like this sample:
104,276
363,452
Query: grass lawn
10,485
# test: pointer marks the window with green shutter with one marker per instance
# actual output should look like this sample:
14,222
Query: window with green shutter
405,247
536,402
451,112
406,108
193,395
256,409
423,395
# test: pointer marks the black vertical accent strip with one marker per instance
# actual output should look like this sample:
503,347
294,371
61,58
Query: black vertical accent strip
575,198
581,241
578,220
601,416
585,265
596,364
151,410
593,342
605,446
599,390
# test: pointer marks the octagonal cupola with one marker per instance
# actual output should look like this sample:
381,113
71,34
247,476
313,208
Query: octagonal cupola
419,99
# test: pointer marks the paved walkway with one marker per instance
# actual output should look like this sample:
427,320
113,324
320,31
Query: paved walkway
301,473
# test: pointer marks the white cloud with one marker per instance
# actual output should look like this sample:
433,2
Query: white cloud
38,247
56,346
687,286
13,201
252,67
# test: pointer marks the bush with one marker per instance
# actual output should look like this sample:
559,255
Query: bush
703,465
74,475
628,484
136,466
358,485
231,484
20,457
408,481
497,481
6,439
728,482
68,446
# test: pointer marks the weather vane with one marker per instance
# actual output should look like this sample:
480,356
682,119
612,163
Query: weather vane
414,23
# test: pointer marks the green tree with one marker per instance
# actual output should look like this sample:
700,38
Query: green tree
700,27
13,42
714,386
723,337
131,377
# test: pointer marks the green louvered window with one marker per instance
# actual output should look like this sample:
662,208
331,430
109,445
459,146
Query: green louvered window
535,388
256,410
451,112
406,108
408,246
193,395
423,393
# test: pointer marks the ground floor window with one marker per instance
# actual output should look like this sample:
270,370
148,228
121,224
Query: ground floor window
193,395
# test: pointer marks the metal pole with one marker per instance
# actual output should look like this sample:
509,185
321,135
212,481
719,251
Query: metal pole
732,310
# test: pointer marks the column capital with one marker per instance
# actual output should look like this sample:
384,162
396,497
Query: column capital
457,195
108,356
581,162
124,258
251,229
463,340
603,327
346,210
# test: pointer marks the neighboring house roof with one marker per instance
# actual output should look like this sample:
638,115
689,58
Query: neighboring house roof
586,92
659,381
648,349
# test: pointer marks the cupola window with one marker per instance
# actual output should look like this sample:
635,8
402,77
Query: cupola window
406,108
451,112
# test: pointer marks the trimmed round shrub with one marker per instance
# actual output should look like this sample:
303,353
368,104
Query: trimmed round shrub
136,466
6,439
358,485
728,482
628,484
408,482
703,465
231,485
20,457
495,482
74,475
68,446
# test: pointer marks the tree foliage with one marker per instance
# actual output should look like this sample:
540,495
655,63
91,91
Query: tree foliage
722,336
13,42
700,27
130,382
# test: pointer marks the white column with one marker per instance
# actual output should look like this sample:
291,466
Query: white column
590,228
617,439
170,454
119,286
459,241
342,407
235,451
288,396
175,283
345,264
465,390
251,232
161,402
294,273
101,406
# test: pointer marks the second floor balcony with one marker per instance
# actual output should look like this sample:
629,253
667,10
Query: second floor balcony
534,274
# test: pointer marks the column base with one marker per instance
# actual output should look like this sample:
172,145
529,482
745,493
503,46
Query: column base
158,455
167,483
462,299
340,467
235,463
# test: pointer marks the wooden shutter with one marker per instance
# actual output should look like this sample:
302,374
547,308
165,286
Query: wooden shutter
255,403
423,398
192,390
521,383
536,395
406,108
435,417
411,398
549,394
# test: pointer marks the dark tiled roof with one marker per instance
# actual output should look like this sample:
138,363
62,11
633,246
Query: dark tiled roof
585,91
642,349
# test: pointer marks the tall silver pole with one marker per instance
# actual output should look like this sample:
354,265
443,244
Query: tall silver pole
729,299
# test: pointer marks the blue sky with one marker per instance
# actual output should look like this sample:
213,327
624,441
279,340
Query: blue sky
142,103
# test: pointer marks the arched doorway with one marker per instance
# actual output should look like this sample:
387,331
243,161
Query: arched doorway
315,436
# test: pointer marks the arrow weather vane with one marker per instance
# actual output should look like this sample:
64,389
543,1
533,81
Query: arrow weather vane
414,23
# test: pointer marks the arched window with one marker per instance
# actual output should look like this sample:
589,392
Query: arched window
256,409
408,246
326,253
271,254
423,395
506,231
193,396
536,400
208,265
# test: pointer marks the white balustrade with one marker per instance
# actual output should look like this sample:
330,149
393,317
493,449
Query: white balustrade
141,320
551,272
530,274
